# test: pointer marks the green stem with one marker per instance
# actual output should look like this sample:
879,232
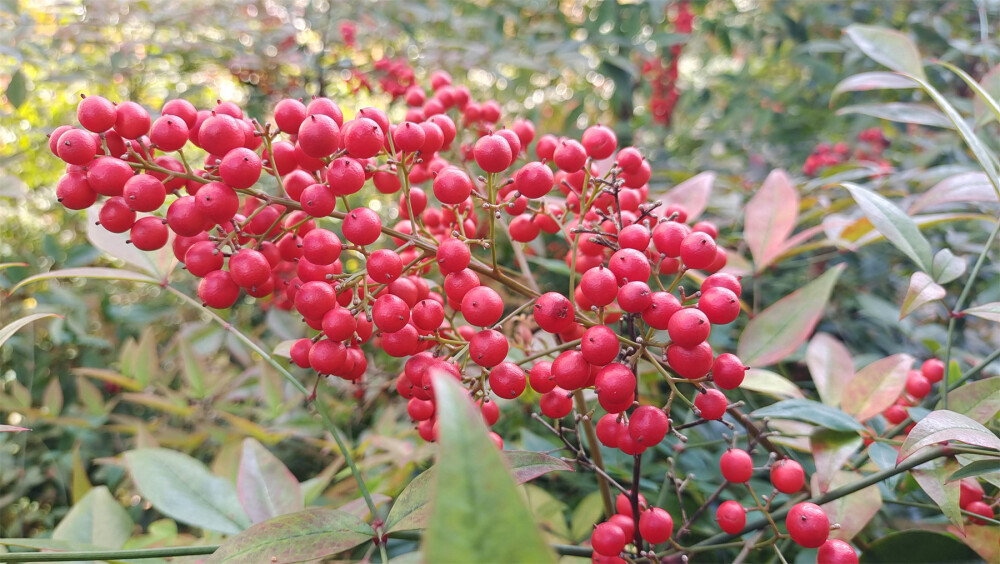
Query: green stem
961,303
98,555
935,507
595,453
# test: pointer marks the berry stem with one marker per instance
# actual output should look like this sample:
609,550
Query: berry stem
595,453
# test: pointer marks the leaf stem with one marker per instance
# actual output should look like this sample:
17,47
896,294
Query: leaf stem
98,555
595,453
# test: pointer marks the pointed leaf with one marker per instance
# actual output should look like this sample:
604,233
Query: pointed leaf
895,225
471,477
947,267
770,383
770,218
944,425
527,465
990,311
831,449
182,488
872,81
12,429
809,411
359,506
852,512
79,481
314,487
266,487
906,112
96,519
692,194
52,399
776,332
917,546
965,187
830,365
410,510
887,47
979,400
982,539
17,89
976,468
922,290
308,535
7,331
932,477
876,386
990,85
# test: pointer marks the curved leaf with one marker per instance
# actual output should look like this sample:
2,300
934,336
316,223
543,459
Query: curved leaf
776,332
157,263
872,81
917,547
982,539
906,112
984,101
770,383
976,468
932,477
477,514
304,536
990,311
527,465
830,450
944,425
692,194
922,290
12,429
88,272
182,488
830,365
947,267
963,188
813,412
770,218
7,331
266,488
887,47
96,519
979,400
895,225
876,386
852,512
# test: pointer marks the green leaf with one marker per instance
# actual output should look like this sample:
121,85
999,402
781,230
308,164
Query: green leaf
776,332
809,411
831,367
182,488
887,47
96,519
932,477
314,487
193,370
17,89
113,244
266,487
79,481
52,399
527,465
770,218
943,425
979,400
917,547
984,98
308,535
946,267
831,449
976,468
895,225
770,383
693,194
990,311
476,511
990,85
922,290
906,112
872,81
965,187
587,512
876,386
7,331
87,272
852,512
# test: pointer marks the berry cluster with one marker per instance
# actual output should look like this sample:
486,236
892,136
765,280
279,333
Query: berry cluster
872,143
918,385
663,76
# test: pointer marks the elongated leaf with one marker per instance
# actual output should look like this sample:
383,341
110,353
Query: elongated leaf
182,488
770,218
830,365
852,512
527,465
693,194
980,538
932,477
917,547
887,47
776,332
114,244
976,468
304,536
471,477
906,112
770,383
876,386
96,519
266,488
88,272
990,85
813,412
943,425
979,400
7,331
359,506
965,187
12,429
17,89
983,98
831,449
895,225
314,487
922,290
990,311
872,81
947,267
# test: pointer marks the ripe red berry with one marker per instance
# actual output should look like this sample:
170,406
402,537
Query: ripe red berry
184,218
131,120
240,168
731,517
107,175
917,385
712,404
720,305
482,306
698,250
570,370
648,425
363,138
655,525
540,377
690,363
723,280
534,180
629,265
217,289
338,324
345,176
554,312
608,428
218,134
808,525
608,539
728,371
318,136
488,348
634,236
362,226
615,383
979,508
453,255
74,192
933,370
971,490
493,153
77,147
599,286
836,551
327,357
569,155
384,266
623,503
556,404
169,133
662,308
144,193
600,142
736,465
787,476
507,380
689,327
96,113
599,345
452,186
117,217
390,313
635,297
667,237
289,114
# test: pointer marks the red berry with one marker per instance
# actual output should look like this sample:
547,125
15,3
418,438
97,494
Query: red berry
635,297
289,114
667,237
77,147
240,168
731,517
452,186
808,525
107,175
615,383
697,250
689,327
169,133
493,153
556,404
728,371
690,363
144,193
117,217
736,465
217,289
390,313
662,308
895,414
540,377
787,476
917,385
569,155
608,428
836,551
979,508
720,305
554,312
599,286
608,539
327,357
971,490
723,280
600,142
933,370
453,255
570,370
623,504
96,114
507,380
488,348
482,306
534,180
362,226
218,134
363,138
712,404
629,265
648,425
74,192
656,525
131,120
599,345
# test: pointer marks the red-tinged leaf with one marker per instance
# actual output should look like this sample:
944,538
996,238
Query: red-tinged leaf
923,290
932,477
266,487
990,311
527,465
7,331
890,221
947,266
88,272
12,429
770,383
831,449
943,425
906,112
979,400
982,539
876,386
852,512
831,367
964,188
799,238
692,194
872,81
307,535
887,47
359,507
770,218
776,332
